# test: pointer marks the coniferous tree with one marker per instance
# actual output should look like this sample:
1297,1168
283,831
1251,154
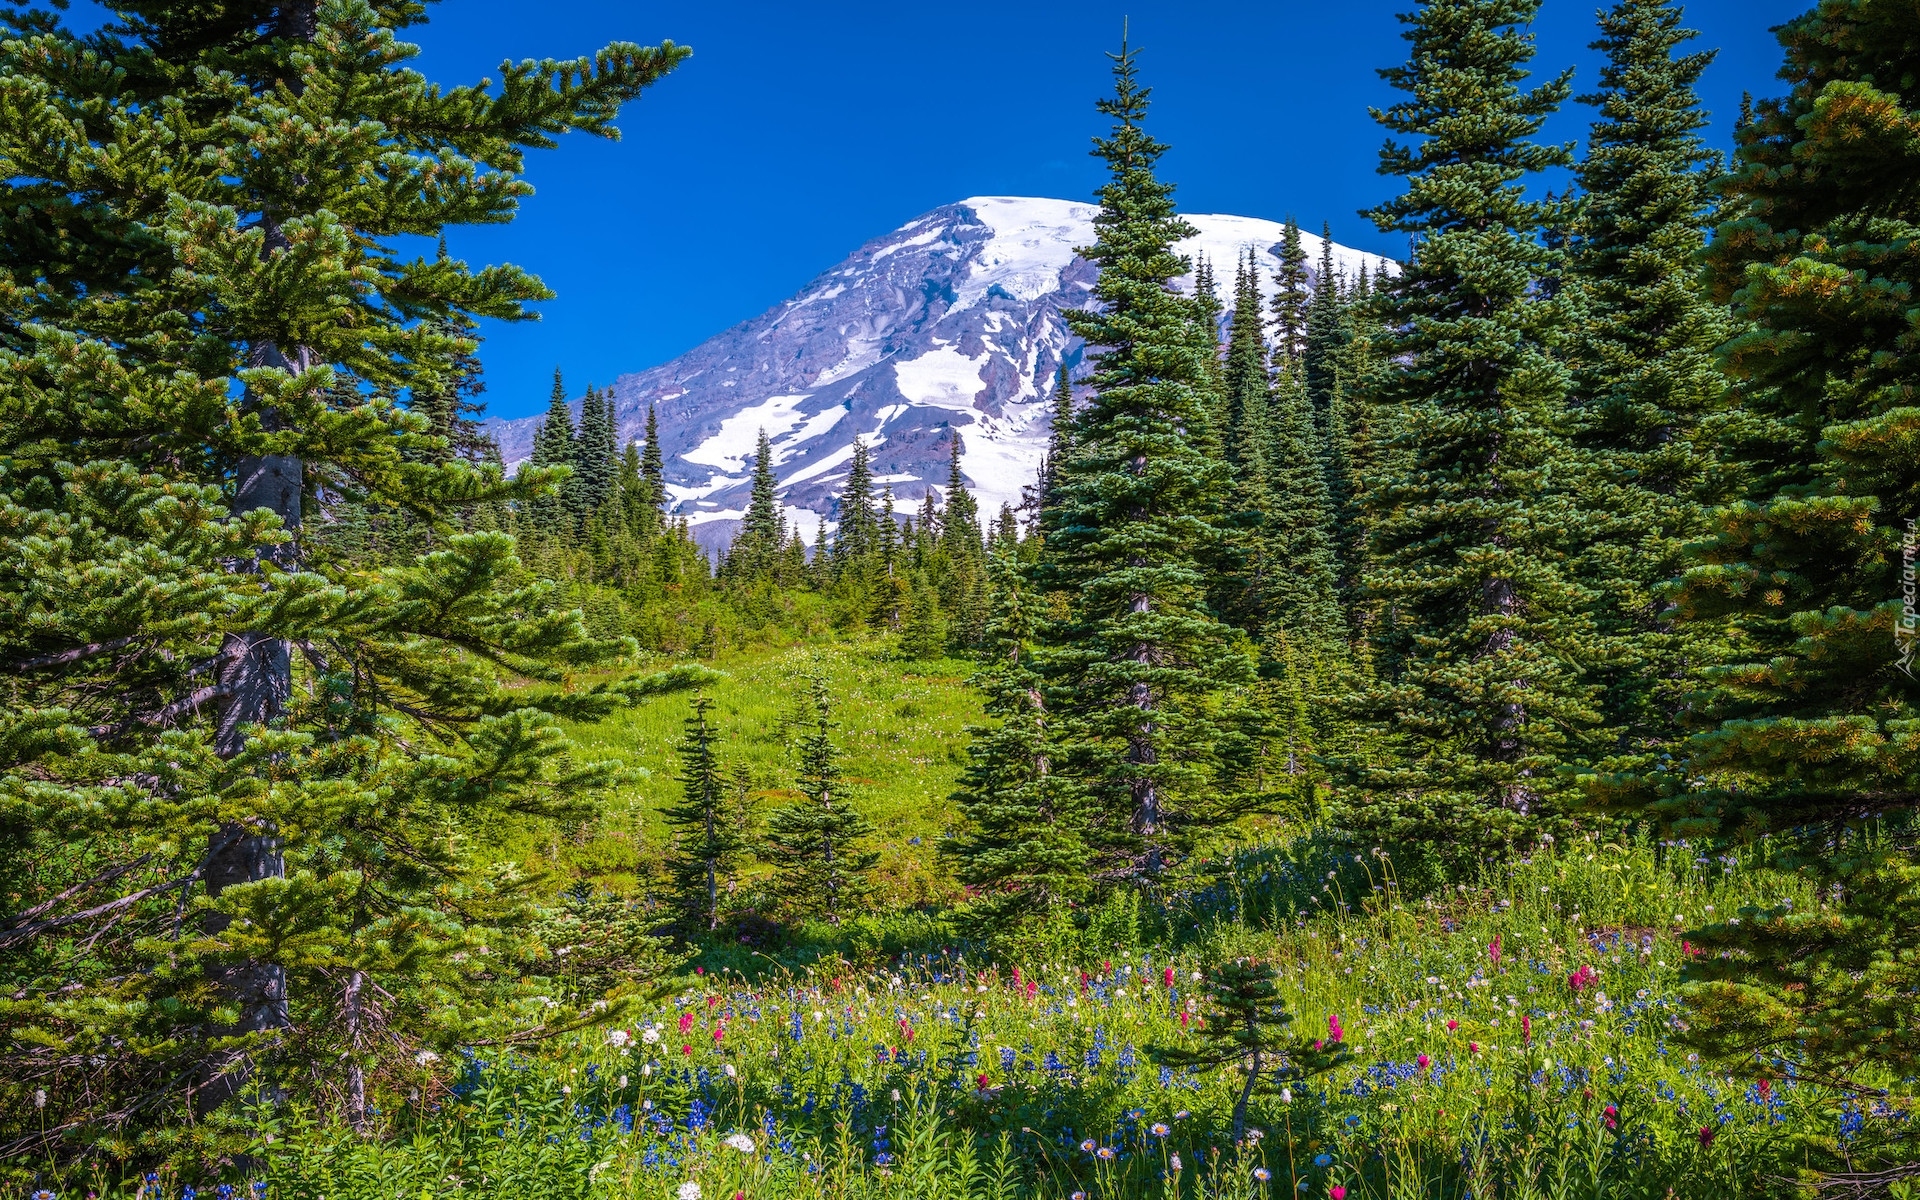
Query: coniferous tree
965,589
1246,382
859,530
1376,457
923,629
452,404
960,519
1322,344
593,454
1485,702
890,586
553,446
1006,532
1291,296
1243,573
1808,736
1059,446
633,495
706,839
1245,1027
249,725
1651,398
819,841
653,463
763,533
1302,596
1139,657
1025,850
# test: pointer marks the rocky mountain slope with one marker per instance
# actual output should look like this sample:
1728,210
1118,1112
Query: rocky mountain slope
949,325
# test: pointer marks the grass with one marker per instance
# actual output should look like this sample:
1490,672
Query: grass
900,729
937,1075
1517,1036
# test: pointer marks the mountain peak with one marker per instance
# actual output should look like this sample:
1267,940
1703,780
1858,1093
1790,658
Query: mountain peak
951,324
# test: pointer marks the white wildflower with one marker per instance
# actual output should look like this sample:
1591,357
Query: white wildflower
618,1037
738,1141
689,1190
650,1035
425,1058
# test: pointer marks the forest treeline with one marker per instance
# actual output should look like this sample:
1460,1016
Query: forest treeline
1595,515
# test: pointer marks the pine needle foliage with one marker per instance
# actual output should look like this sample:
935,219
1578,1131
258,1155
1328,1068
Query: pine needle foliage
1244,1026
1136,665
1485,702
1812,736
1650,401
244,776
819,842
1024,851
706,846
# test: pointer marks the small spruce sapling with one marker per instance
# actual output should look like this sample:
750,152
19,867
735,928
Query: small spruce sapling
1244,1028
818,843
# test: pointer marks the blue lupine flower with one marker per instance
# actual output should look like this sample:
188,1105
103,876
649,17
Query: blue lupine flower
1851,1121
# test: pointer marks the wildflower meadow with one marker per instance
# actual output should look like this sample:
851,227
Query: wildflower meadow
1519,1038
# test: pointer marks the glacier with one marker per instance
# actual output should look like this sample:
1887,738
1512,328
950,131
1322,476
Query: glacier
949,326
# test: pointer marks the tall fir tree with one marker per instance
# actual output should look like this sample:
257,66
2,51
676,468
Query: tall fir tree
1291,296
965,591
596,458
1243,573
1811,737
253,767
1485,703
859,530
756,549
553,446
706,844
653,463
1323,340
820,841
1651,401
1046,498
1025,851
1246,380
1139,658
452,404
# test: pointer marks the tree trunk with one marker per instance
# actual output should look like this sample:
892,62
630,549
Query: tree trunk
356,1074
1246,1094
256,680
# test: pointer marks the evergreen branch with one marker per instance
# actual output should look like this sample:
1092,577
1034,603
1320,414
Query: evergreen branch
161,716
75,654
10,938
100,880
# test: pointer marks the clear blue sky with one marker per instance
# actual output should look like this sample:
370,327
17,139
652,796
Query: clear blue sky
798,131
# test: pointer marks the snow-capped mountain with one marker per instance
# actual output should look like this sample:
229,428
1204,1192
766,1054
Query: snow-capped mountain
950,324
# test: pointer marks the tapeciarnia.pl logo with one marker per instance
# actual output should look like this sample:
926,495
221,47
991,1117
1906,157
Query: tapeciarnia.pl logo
1907,635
